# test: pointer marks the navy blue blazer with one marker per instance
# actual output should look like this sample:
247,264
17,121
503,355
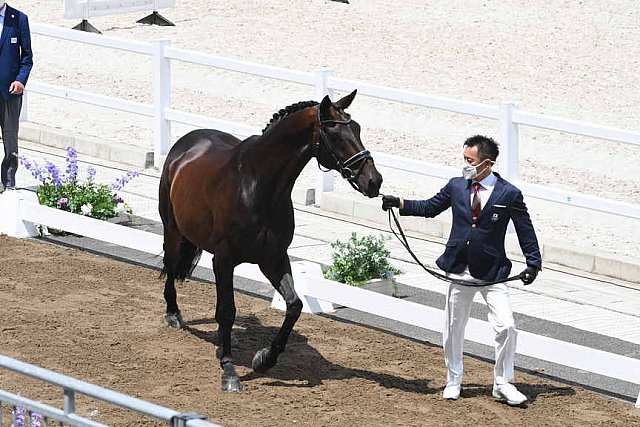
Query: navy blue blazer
16,57
480,246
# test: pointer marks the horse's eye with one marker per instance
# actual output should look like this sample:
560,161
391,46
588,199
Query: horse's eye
332,127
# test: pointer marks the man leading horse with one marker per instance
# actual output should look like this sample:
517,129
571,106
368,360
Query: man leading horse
482,204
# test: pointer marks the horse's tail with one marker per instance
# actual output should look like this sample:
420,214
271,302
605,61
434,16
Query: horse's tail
181,264
188,257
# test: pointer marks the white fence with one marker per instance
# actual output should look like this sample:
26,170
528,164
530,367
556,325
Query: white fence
508,116
313,289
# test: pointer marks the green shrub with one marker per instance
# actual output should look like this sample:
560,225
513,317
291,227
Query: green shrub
360,259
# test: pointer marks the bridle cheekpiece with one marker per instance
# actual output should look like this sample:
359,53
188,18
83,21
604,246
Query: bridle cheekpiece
349,169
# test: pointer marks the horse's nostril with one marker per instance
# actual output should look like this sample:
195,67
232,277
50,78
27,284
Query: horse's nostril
374,187
375,183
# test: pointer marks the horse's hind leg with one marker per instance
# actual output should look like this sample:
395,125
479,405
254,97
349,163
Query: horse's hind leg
226,316
278,271
172,240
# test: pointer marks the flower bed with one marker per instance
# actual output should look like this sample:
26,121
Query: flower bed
66,191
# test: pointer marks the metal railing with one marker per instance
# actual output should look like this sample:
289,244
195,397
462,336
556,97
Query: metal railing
71,387
324,82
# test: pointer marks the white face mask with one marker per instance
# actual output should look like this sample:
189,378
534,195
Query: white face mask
472,172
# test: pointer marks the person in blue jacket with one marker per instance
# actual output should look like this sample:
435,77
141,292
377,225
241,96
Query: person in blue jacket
16,60
482,204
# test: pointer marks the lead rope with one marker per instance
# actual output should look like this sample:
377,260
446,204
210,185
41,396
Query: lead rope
403,240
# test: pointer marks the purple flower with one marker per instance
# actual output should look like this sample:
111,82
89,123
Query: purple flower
63,201
91,173
19,416
36,170
118,198
36,419
54,173
124,180
72,164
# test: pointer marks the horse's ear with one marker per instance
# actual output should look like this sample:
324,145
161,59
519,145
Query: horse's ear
344,103
324,106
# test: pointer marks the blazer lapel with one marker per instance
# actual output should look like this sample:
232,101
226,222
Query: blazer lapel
498,189
8,21
466,196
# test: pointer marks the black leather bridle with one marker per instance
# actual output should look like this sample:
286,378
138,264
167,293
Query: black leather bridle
349,169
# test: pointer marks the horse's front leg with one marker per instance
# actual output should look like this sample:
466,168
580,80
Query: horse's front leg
278,271
226,316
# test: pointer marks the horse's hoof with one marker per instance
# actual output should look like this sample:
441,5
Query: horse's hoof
260,361
231,383
174,320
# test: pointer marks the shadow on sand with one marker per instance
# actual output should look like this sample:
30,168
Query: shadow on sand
300,365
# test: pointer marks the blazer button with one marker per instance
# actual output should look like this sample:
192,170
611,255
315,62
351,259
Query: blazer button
473,225
468,242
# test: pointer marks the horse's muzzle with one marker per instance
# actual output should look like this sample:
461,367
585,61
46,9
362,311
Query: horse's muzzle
373,189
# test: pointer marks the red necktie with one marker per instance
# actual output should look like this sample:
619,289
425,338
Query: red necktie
475,204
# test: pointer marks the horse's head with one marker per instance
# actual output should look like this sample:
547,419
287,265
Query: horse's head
339,147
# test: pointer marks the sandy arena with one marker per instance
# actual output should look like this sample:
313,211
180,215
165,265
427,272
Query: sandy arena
101,321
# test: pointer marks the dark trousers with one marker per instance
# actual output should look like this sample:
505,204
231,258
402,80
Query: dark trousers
9,122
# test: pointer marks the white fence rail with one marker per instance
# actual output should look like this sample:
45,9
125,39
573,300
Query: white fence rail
71,387
315,289
509,117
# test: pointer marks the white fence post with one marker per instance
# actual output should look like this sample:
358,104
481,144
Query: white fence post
509,166
324,180
162,101
11,222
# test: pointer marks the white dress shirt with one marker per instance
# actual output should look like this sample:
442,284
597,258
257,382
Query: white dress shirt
3,10
486,188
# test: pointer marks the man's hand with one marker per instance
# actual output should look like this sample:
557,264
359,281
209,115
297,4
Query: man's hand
389,202
16,88
528,275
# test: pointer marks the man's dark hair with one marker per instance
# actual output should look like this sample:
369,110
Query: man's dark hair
487,147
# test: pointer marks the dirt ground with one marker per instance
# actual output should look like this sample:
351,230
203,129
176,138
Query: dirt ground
100,321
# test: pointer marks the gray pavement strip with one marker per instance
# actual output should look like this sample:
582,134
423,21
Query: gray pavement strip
625,391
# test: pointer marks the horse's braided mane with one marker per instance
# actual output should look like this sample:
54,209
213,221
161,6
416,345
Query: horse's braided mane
288,110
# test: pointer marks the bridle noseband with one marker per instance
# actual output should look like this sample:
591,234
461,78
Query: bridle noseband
349,169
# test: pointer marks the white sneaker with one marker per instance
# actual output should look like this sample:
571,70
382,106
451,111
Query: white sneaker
451,392
508,393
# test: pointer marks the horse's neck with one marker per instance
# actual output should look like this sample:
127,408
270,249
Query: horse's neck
279,156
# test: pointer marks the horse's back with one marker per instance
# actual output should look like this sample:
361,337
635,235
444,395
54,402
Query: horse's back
211,139
201,145
196,167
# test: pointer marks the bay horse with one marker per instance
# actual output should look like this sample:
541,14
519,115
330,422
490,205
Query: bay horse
232,199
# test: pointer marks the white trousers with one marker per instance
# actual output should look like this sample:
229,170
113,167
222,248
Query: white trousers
458,307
